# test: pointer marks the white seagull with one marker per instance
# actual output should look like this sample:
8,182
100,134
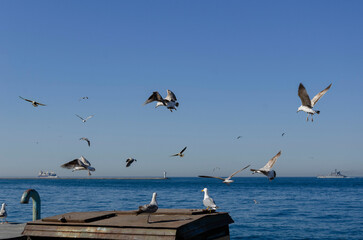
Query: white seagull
149,208
170,102
79,164
87,140
3,213
208,201
129,161
34,103
307,104
266,170
180,154
225,180
84,119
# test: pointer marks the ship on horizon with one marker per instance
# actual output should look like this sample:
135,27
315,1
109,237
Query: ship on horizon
335,174
47,174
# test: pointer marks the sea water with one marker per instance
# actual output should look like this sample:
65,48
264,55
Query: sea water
287,208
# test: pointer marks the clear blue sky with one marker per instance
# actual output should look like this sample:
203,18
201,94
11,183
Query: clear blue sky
235,67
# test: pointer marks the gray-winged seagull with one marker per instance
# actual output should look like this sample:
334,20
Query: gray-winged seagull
266,170
180,154
225,180
3,213
84,119
307,104
149,208
170,102
87,140
79,164
34,103
208,202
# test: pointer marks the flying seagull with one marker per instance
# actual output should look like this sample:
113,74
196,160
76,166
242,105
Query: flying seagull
79,164
180,154
87,140
170,102
208,202
149,208
129,161
282,134
307,104
3,213
83,98
84,119
266,170
226,180
239,137
34,103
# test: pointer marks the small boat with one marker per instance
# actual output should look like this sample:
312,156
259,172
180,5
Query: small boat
335,174
47,174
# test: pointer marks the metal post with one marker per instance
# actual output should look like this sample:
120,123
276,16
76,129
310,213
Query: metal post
31,193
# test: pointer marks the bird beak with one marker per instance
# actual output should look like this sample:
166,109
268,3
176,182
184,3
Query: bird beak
202,190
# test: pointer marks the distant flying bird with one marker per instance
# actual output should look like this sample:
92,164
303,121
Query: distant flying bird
266,170
239,137
149,208
34,103
3,213
79,164
170,102
307,104
216,168
84,119
180,154
282,134
225,180
129,161
208,202
83,98
87,140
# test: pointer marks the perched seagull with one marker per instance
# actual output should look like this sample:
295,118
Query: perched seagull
170,102
208,201
149,208
129,161
179,154
84,119
307,104
226,180
3,213
34,103
87,140
79,164
266,170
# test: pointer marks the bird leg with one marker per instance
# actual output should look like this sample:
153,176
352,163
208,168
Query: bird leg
148,217
307,118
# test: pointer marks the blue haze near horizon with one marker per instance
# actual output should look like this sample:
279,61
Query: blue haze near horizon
234,66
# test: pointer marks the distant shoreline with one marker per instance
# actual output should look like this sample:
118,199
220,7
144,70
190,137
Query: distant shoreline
96,178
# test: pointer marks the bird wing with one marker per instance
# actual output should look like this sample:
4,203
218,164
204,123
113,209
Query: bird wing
174,155
209,202
41,104
183,150
89,117
72,164
84,162
319,95
170,96
237,172
271,162
26,99
211,177
304,96
88,141
79,117
154,97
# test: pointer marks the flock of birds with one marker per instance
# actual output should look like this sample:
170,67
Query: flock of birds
170,102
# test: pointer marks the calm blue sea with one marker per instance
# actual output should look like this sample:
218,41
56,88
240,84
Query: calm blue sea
289,208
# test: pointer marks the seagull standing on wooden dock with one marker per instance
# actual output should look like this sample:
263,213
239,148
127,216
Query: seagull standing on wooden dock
170,102
266,170
3,213
79,164
225,180
34,103
208,202
307,104
180,154
149,208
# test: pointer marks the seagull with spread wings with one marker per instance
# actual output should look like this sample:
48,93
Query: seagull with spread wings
170,102
129,161
228,179
180,154
34,103
307,104
84,119
79,164
266,170
87,140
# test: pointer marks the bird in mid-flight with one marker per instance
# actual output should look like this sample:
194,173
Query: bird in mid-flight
170,102
266,170
34,103
87,140
129,161
79,164
228,179
180,154
84,119
307,104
